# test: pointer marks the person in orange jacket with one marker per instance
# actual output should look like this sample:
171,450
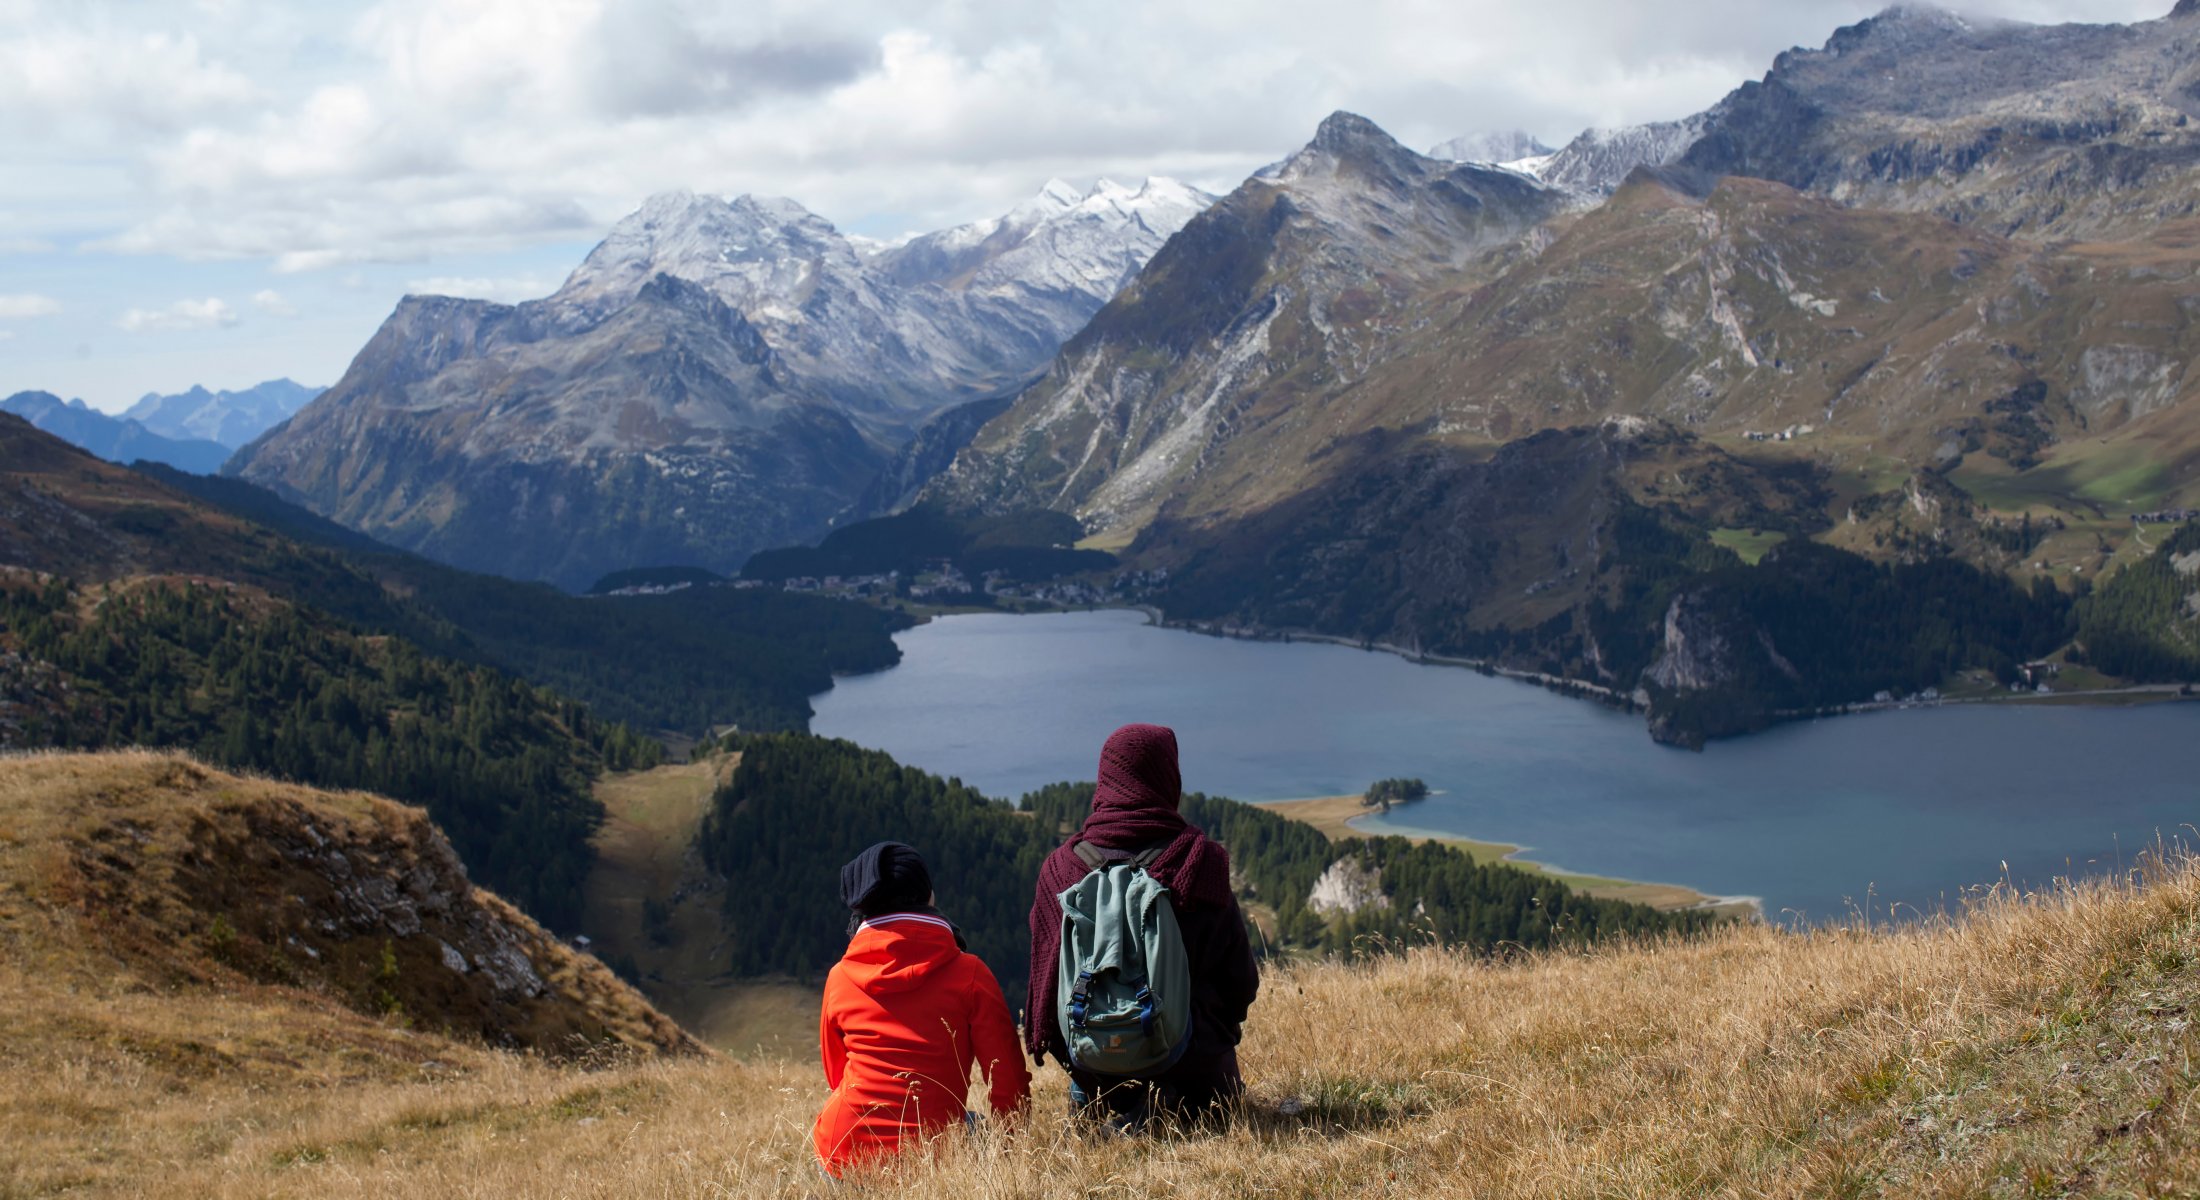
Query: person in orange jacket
907,1012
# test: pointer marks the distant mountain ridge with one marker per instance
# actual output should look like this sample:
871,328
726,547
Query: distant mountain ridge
229,418
117,439
717,377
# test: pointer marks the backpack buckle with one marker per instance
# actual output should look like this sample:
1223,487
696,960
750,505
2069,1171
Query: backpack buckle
1078,996
1145,1011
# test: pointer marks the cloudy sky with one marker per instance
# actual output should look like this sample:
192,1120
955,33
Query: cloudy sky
225,191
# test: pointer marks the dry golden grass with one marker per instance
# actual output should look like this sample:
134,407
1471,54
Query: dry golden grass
2040,1046
646,851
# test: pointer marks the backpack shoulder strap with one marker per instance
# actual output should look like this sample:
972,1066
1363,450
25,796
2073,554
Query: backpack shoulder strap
1094,858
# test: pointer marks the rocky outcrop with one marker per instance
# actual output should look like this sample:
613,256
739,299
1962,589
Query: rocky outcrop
1596,163
206,879
1696,654
1347,887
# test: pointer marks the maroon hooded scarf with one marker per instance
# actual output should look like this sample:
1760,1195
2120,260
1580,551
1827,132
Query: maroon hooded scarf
1134,806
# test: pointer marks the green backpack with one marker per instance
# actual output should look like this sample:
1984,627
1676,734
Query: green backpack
1123,997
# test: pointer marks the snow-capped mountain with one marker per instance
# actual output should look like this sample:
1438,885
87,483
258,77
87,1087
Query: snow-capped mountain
1059,242
716,377
1593,165
953,314
1498,149
230,418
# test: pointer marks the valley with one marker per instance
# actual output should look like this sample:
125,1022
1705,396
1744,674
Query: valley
653,914
1751,555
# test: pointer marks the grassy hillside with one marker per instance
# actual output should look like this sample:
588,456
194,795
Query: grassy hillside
188,957
653,910
2038,1046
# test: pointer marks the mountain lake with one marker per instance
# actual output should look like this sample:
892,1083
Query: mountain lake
1885,812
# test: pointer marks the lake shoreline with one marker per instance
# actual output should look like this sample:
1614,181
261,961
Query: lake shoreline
2128,696
1336,817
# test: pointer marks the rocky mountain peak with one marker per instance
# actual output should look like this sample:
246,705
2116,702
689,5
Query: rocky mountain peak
1904,26
2185,8
1349,144
1057,196
1346,136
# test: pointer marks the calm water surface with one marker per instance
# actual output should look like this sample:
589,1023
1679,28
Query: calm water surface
1812,818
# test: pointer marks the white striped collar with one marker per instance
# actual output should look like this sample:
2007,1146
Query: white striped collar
920,918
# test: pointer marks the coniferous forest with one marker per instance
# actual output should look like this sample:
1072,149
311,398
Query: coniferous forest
248,682
688,660
781,901
2143,624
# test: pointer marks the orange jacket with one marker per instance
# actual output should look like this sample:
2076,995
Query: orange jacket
906,1014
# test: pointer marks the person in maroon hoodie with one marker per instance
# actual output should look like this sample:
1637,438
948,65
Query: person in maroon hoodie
1134,807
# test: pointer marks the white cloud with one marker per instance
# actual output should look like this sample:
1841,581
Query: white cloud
311,139
26,245
92,75
210,313
20,305
504,291
271,302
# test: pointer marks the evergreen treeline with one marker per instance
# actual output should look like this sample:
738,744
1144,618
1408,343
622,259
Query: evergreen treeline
1436,892
503,768
799,806
1385,792
764,836
690,660
2143,624
1813,626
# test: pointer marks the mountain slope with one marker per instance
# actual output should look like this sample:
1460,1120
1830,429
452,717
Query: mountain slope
1283,290
1758,308
685,663
717,377
229,418
1860,337
121,440
503,439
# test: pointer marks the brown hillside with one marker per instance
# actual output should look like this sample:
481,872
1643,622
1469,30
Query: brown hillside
136,873
64,512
